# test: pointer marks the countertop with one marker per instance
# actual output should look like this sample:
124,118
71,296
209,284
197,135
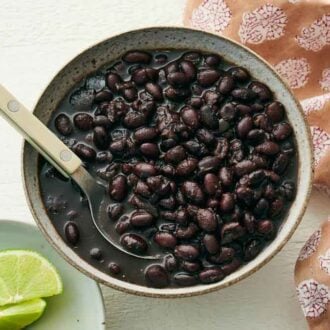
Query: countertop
37,38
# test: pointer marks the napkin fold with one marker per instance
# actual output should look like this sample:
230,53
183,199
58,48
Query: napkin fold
294,37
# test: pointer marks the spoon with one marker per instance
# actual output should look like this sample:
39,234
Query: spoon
66,162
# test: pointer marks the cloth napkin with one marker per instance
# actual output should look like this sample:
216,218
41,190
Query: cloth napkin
294,37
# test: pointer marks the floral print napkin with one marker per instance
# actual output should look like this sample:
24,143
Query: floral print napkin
293,36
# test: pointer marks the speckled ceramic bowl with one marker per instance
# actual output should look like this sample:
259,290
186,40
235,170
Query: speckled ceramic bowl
165,38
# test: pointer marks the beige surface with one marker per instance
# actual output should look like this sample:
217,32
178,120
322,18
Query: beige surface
36,38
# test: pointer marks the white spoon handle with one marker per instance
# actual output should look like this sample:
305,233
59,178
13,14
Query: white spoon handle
38,135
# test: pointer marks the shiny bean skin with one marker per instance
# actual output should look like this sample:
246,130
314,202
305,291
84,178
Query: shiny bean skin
199,161
63,124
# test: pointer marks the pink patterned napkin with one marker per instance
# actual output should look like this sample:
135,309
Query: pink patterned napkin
293,36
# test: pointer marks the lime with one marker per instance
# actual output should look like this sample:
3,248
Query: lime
25,275
14,317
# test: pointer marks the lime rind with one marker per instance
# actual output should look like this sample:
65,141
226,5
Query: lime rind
25,275
18,316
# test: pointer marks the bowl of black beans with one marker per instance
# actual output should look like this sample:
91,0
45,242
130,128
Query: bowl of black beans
203,149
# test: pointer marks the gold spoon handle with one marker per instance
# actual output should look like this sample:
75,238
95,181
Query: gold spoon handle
38,135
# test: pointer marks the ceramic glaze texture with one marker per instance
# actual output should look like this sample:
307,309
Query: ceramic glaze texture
166,38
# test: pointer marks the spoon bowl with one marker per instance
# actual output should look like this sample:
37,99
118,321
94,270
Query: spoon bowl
65,161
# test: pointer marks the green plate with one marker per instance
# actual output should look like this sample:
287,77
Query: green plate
80,306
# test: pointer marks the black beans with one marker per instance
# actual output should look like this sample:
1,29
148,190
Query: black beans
170,263
226,176
186,252
63,124
266,228
256,177
144,170
186,232
288,189
134,243
143,75
101,121
118,188
113,81
144,134
280,163
196,102
208,77
226,85
208,117
231,231
268,148
156,276
263,92
207,220
100,137
188,69
175,155
211,183
193,192
256,136
123,225
95,253
149,150
228,111
198,158
252,249
137,57
142,218
189,117
134,119
114,268
231,267
83,121
275,111
245,194
211,275
244,126
190,267
227,202
186,167
115,210
177,79
209,163
177,94
84,152
183,279
244,167
243,94
282,131
165,240
239,74
226,254
276,207
211,243
155,91
261,207
212,60
71,232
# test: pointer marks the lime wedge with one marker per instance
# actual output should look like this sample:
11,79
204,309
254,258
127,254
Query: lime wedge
15,317
25,275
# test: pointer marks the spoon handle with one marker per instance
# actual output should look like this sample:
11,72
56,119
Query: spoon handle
38,135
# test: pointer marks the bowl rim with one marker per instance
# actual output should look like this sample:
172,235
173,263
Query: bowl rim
185,291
